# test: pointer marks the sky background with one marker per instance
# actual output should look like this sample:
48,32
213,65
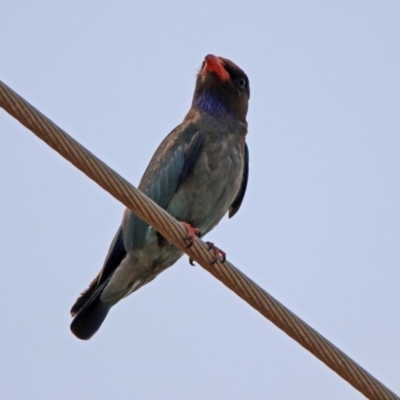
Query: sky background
319,228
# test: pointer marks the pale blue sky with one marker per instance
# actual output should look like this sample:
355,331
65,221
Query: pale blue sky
319,228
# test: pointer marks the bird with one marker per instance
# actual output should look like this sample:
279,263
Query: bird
198,174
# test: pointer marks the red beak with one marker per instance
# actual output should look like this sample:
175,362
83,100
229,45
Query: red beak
213,63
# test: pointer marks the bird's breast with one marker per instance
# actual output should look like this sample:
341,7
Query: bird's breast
205,197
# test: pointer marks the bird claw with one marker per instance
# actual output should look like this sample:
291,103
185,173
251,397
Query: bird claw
219,254
192,233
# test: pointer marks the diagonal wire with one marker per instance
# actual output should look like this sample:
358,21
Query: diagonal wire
171,229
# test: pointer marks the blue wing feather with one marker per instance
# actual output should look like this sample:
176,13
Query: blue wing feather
161,187
115,255
191,153
160,182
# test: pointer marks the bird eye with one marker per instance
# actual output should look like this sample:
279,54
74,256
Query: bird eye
242,82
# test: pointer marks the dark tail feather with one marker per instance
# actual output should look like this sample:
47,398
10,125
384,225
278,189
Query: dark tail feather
90,317
84,297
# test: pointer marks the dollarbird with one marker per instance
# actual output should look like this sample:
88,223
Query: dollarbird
198,174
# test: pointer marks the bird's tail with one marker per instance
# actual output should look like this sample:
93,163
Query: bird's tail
90,317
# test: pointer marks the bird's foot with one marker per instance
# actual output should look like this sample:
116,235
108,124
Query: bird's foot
192,233
218,253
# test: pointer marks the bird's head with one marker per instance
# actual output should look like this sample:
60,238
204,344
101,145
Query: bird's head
221,88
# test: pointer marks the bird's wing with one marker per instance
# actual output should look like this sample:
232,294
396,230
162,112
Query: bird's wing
115,255
168,169
234,208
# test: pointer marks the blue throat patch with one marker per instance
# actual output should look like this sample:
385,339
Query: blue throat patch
209,103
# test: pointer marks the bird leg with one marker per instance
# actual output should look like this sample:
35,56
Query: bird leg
219,254
192,233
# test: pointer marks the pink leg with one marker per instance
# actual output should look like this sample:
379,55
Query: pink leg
220,255
192,233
